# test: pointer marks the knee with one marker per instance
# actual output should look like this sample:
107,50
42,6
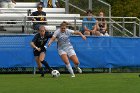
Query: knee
77,62
41,59
86,33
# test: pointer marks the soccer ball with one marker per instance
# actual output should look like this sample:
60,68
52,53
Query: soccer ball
55,73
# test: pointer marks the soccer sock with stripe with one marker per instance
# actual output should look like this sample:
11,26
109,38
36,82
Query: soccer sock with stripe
47,65
41,71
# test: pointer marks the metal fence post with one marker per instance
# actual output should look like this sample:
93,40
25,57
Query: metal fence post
123,24
67,6
34,70
139,28
134,35
25,26
110,70
28,14
110,24
90,4
75,23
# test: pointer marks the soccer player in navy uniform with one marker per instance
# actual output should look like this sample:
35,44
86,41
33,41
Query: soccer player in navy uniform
42,17
38,43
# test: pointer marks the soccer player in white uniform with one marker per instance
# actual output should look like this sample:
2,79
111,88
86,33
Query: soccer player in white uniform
65,48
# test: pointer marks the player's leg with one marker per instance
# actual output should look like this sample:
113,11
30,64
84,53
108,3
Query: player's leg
86,32
39,66
76,62
74,58
68,66
45,63
65,59
36,54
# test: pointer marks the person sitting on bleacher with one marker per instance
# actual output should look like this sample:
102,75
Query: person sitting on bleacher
36,25
102,25
50,3
7,3
89,25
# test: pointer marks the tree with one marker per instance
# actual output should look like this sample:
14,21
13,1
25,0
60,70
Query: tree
125,7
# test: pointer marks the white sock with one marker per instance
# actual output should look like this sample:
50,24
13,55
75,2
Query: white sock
70,69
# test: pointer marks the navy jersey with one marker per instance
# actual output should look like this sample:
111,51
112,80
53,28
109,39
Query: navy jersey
36,13
39,41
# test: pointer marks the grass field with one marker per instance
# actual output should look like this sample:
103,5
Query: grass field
82,83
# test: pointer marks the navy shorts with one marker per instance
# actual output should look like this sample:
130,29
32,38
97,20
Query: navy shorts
37,53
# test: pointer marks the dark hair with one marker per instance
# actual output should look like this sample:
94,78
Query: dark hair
88,11
39,5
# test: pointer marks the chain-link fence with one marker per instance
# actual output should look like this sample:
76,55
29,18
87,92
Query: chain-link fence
16,54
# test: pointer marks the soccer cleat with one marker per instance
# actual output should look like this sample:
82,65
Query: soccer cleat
42,75
73,75
79,70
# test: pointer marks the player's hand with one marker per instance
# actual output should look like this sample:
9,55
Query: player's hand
84,37
38,49
49,44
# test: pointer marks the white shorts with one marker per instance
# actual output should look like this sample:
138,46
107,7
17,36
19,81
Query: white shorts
7,5
70,52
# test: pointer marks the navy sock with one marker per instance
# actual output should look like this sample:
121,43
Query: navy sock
46,65
41,71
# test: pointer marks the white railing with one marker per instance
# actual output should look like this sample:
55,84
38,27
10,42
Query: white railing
75,22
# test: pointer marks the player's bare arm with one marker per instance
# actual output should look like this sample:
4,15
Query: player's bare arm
79,33
51,40
34,46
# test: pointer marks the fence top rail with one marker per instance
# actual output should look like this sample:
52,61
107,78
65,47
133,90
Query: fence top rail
59,21
31,8
109,17
68,15
47,16
47,10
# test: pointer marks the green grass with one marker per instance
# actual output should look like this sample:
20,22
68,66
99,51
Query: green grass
82,83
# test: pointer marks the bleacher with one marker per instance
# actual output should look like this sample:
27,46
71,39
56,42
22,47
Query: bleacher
15,20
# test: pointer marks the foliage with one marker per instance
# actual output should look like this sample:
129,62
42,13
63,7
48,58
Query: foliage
125,7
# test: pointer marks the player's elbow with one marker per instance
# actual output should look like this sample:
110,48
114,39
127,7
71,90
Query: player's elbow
78,33
31,43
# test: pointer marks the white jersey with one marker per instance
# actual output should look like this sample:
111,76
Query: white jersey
63,39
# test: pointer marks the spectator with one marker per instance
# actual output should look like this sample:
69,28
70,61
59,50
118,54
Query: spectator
36,25
89,25
50,3
6,4
102,25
